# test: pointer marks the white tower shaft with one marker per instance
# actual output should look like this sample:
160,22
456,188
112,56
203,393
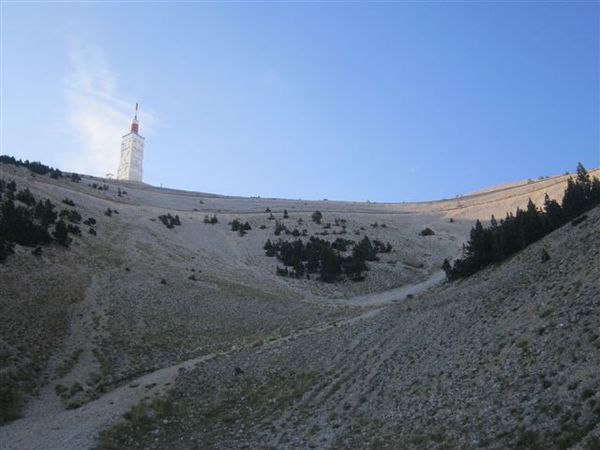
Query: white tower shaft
132,153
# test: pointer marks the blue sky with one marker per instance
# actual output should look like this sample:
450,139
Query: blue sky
379,101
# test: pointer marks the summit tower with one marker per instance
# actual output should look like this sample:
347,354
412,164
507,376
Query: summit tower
132,153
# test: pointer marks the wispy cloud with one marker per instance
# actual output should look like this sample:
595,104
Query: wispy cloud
97,112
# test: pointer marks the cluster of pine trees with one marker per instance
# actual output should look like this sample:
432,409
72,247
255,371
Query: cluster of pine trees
512,234
241,228
318,256
30,222
169,221
281,227
34,166
211,220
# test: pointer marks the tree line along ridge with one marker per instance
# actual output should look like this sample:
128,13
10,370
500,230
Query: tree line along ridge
504,238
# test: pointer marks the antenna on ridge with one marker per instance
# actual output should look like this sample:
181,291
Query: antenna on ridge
136,109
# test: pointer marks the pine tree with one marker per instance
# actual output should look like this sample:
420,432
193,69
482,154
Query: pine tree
476,246
447,268
61,233
8,219
533,223
583,178
330,266
317,216
553,214
578,195
6,249
268,245
25,196
364,250
595,191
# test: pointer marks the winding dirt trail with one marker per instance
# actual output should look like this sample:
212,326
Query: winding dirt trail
78,429
392,295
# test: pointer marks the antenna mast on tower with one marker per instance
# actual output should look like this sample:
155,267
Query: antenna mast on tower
135,128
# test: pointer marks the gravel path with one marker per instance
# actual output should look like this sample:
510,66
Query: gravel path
393,295
77,429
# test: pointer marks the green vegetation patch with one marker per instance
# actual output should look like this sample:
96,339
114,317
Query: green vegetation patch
203,417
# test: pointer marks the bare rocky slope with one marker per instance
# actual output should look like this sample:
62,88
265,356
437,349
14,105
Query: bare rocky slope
192,328
509,358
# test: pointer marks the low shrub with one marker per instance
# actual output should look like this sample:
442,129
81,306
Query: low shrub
241,228
211,220
544,255
71,215
74,229
427,232
170,221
